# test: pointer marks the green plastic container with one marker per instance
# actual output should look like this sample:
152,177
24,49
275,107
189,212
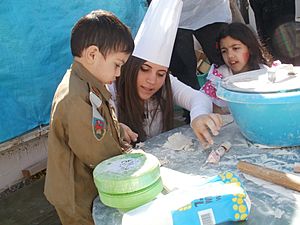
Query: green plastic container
128,201
126,173
128,181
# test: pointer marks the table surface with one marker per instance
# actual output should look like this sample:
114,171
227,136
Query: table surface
271,204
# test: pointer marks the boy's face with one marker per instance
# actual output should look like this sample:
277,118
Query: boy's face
106,70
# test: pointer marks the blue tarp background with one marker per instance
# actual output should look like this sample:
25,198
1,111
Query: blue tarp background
35,53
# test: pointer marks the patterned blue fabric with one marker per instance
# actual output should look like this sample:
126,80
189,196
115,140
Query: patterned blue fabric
35,53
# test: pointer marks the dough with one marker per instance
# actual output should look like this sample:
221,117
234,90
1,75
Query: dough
178,141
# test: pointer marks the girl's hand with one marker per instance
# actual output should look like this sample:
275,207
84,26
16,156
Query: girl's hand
129,135
205,125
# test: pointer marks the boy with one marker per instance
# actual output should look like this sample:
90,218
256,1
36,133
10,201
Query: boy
83,129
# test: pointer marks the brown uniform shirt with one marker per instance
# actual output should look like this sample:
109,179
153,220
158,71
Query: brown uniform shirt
75,143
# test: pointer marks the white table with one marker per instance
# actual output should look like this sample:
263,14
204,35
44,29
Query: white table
271,204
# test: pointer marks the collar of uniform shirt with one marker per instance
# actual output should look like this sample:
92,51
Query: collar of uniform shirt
84,74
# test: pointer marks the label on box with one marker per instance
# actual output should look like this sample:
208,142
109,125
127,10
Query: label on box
215,209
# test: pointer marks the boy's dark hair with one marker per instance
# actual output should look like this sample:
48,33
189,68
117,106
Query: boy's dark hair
102,29
241,32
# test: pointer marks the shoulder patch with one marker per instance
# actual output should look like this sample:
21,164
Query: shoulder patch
98,122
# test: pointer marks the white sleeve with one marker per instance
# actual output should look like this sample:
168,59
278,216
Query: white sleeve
188,98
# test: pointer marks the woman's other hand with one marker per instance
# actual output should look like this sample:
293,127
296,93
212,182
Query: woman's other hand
129,135
205,125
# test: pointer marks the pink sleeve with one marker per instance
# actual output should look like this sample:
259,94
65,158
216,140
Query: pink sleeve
209,89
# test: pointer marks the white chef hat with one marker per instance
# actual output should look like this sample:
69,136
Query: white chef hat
155,39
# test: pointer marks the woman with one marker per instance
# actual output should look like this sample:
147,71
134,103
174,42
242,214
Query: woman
146,91
146,94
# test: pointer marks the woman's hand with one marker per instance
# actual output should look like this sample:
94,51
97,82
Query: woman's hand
205,125
129,135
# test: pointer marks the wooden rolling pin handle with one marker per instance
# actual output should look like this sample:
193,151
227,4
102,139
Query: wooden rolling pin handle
297,167
284,179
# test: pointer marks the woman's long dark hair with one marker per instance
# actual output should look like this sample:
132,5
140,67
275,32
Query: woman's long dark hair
131,109
241,32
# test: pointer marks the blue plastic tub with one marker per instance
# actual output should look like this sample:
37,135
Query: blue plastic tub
265,117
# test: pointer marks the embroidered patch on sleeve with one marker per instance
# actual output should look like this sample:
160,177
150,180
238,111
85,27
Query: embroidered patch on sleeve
98,122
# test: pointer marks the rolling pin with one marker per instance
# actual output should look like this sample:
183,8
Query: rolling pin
297,167
287,180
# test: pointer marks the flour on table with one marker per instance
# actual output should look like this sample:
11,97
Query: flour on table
178,141
263,146
140,145
278,213
284,192
281,194
227,119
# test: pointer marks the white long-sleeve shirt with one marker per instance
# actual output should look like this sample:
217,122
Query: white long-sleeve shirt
184,96
199,13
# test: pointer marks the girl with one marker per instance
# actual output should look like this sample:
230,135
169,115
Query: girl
240,51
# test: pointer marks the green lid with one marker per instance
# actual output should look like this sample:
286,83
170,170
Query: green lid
126,173
132,200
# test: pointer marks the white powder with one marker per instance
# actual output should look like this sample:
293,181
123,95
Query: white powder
227,119
286,193
178,141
